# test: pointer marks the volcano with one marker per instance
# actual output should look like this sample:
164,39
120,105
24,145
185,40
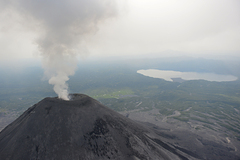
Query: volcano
80,129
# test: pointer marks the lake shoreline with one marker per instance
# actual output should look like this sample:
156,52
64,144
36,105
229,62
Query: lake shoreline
176,76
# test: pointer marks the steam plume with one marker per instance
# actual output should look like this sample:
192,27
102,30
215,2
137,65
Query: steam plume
63,26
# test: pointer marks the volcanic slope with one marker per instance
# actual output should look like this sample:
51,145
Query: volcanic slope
81,128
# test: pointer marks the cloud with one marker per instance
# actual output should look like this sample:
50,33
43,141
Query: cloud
188,26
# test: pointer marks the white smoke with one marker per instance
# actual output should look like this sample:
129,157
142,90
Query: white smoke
63,25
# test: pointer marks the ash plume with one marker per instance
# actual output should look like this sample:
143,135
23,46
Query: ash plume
63,26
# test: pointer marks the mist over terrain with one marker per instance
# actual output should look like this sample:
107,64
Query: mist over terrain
59,32
23,86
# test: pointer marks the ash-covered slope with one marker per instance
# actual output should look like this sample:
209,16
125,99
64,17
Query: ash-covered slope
81,129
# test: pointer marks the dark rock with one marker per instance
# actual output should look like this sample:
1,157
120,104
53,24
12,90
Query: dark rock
81,128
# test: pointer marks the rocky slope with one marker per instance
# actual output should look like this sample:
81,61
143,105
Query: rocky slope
81,128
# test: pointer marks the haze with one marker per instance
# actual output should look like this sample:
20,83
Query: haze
155,28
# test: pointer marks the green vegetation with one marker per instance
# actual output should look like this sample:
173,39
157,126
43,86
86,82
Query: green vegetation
109,93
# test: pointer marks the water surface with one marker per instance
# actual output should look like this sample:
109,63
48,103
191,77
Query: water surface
170,75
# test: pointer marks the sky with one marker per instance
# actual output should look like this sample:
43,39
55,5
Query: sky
161,28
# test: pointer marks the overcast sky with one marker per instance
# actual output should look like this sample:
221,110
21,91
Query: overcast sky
153,27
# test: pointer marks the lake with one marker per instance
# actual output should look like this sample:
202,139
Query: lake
181,76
